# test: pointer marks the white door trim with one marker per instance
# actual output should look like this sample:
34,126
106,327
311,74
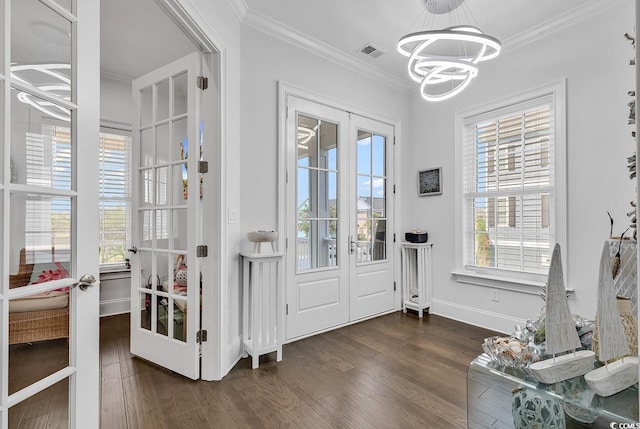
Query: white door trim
214,108
285,90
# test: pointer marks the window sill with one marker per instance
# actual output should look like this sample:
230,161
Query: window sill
531,287
115,272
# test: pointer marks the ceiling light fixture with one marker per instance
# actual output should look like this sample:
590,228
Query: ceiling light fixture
445,61
51,78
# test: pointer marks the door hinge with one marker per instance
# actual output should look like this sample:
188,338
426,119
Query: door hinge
286,176
394,286
203,167
201,336
287,309
202,251
286,243
394,140
394,189
203,82
394,237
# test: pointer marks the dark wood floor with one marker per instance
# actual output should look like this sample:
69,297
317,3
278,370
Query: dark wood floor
390,372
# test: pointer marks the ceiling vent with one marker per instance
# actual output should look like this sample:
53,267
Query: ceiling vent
371,51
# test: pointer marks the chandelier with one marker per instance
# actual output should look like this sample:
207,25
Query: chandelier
51,78
444,62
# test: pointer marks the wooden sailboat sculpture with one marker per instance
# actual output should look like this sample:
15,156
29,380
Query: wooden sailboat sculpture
560,332
616,376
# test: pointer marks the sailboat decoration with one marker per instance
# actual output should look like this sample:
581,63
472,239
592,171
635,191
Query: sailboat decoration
612,344
560,331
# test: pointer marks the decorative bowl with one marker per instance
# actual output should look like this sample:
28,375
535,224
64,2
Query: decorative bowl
509,351
262,236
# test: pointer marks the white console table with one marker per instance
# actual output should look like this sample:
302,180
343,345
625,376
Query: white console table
417,277
262,305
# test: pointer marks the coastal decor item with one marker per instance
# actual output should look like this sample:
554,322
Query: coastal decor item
620,374
259,237
579,401
629,325
560,332
416,236
510,351
536,410
430,182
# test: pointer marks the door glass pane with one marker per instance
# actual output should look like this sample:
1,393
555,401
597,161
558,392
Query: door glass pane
162,186
180,320
162,144
41,236
40,146
146,103
145,310
371,213
180,223
41,47
162,229
49,408
146,228
317,193
162,101
308,141
146,147
146,187
162,266
180,275
180,94
364,152
163,315
179,142
180,182
38,337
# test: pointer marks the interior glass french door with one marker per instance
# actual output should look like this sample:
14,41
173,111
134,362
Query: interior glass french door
165,287
338,255
48,203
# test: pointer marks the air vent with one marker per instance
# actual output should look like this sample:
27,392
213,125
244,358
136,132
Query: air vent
371,51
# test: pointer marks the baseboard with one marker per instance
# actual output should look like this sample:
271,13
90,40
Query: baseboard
112,307
234,354
474,316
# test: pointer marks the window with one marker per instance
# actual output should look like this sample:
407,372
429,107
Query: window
511,193
115,199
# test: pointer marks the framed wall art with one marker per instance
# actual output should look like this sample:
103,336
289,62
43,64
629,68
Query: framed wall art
430,181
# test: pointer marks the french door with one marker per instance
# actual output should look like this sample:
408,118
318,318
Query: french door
165,279
340,251
49,313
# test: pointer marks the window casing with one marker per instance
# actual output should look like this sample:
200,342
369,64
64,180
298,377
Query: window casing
511,194
115,199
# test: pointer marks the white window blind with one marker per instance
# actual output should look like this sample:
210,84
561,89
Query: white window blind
115,197
508,187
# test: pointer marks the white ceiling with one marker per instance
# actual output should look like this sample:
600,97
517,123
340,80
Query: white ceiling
138,37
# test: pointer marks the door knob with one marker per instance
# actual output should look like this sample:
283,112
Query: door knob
85,281
133,250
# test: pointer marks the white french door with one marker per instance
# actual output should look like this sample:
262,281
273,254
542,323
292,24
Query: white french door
49,324
339,251
165,275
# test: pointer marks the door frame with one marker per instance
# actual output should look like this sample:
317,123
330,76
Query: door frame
214,108
285,90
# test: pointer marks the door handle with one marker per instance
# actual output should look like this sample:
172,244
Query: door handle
85,281
354,244
133,250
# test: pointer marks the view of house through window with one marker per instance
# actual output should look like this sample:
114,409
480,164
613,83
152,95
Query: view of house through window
509,188
115,198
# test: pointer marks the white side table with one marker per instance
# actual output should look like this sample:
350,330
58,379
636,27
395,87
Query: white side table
417,277
262,305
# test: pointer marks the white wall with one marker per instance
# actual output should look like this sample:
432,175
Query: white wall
115,101
265,61
593,56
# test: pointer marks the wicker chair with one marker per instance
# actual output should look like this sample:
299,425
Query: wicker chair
39,325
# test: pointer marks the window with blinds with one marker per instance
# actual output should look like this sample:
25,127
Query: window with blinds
509,188
115,198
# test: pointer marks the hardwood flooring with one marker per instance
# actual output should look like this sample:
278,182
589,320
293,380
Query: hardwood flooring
390,372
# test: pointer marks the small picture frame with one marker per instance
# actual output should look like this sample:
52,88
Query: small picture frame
430,181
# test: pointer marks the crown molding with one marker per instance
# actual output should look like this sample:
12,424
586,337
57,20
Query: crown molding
561,22
277,29
104,74
239,7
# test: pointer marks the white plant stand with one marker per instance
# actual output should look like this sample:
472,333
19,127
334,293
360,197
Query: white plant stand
262,305
417,277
